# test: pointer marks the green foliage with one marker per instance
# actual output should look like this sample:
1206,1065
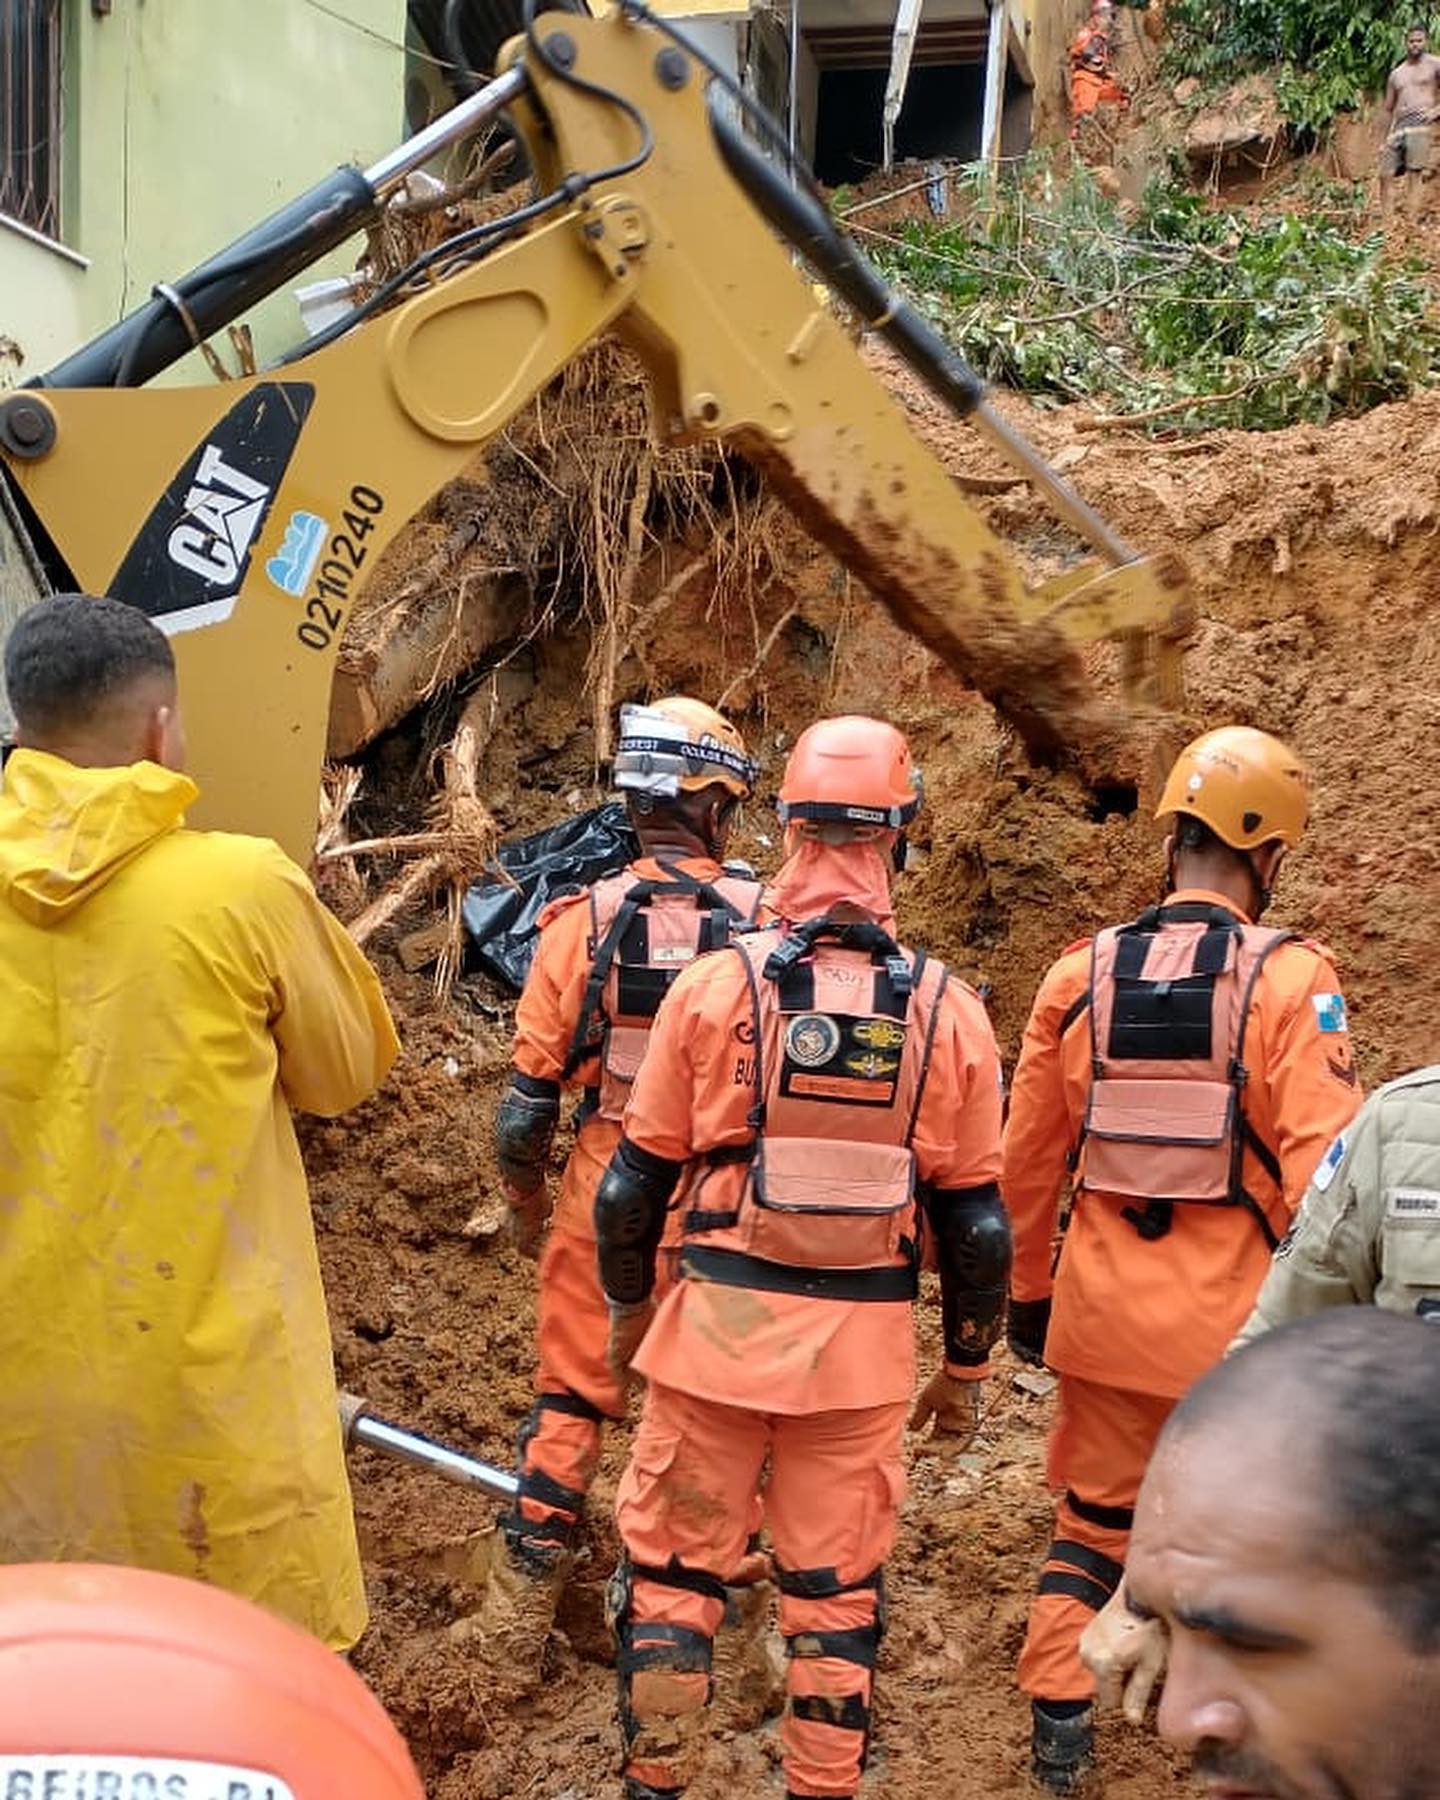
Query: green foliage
1265,322
1325,56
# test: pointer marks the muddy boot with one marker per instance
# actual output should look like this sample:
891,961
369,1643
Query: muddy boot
642,1790
1062,1744
749,1662
522,1591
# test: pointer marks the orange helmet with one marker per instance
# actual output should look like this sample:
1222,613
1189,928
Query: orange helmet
678,746
1244,784
171,1687
850,771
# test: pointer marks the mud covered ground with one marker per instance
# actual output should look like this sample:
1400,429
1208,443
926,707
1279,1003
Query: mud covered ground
1314,560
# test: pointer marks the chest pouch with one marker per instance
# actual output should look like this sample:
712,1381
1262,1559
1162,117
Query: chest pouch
1161,1116
841,1050
657,929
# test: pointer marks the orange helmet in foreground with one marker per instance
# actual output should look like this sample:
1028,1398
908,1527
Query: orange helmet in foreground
128,1683
1247,786
850,771
678,746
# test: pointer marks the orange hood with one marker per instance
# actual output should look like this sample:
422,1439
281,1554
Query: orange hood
817,877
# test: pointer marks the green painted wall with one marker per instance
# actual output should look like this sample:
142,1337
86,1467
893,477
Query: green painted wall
42,302
186,121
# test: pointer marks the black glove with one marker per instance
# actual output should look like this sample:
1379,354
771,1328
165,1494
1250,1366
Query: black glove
1025,1329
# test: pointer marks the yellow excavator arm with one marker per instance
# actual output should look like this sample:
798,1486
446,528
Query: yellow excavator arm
244,517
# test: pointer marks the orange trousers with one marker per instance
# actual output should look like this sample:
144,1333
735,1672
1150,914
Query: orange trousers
1089,90
686,1507
575,1392
1098,1451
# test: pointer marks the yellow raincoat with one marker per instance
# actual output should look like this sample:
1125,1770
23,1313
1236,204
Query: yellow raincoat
167,1394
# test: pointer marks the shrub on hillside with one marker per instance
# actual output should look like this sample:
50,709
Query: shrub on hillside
1326,56
1184,316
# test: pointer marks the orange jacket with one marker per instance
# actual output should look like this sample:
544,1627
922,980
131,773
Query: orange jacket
791,1353
1086,41
545,1021
1152,1316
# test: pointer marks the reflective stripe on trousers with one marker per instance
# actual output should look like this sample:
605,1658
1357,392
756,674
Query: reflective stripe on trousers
686,1507
1100,1445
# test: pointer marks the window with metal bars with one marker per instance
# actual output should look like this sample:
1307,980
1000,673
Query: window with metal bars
30,113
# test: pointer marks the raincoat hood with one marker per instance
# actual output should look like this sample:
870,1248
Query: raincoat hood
816,877
65,830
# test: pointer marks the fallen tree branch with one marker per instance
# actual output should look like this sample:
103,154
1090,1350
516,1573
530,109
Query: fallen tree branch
457,848
760,658
1119,421
462,190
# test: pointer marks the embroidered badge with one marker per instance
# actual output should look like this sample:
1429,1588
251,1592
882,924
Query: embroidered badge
811,1039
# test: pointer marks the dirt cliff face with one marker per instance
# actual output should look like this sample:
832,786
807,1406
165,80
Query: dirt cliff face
1312,554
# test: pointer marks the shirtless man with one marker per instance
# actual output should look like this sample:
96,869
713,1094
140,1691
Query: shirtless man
1412,101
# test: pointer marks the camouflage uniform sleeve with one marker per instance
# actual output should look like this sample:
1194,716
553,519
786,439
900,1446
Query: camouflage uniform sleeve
1330,1255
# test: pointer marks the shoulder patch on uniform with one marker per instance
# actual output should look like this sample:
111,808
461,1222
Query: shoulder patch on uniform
1330,1012
1412,1203
552,909
1329,1163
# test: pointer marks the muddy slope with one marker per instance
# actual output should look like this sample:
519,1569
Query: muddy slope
1313,557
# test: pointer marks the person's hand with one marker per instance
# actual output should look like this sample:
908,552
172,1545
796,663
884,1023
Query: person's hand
1026,1329
1126,1656
628,1324
954,1406
529,1215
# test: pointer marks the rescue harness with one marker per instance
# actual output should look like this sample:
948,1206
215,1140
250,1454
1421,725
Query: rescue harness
1165,1122
821,1200
640,939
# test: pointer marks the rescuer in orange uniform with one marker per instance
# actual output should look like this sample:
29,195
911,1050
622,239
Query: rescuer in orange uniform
1190,1069
796,1089
604,960
1092,82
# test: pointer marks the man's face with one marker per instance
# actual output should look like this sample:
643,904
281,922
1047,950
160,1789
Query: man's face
1285,1680
1414,45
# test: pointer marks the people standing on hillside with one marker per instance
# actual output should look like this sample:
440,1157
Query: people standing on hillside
814,1104
605,959
167,1389
1412,104
1186,1073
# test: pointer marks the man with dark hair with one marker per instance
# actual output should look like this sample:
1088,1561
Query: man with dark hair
1412,103
167,1395
1288,1537
76,667
1185,1072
